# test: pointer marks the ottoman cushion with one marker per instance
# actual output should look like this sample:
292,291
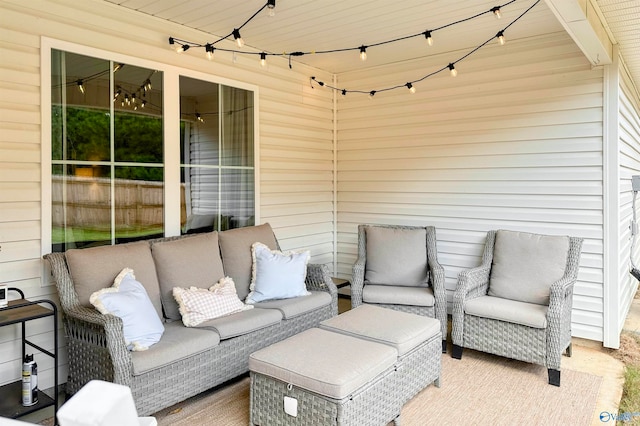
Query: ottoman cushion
330,364
401,330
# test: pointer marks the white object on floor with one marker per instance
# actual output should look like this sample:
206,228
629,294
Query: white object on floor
101,403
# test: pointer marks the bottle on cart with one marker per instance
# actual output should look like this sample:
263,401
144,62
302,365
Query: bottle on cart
29,381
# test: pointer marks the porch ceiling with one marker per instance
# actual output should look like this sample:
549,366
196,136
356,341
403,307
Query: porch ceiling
308,25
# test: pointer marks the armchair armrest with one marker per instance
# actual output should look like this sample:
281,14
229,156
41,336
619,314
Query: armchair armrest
472,283
357,281
319,279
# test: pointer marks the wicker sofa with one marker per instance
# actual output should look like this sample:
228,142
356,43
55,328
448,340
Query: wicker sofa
186,360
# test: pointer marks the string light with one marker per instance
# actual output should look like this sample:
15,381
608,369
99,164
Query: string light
199,117
452,70
263,59
411,88
209,49
344,92
117,67
427,35
372,94
118,93
501,38
271,6
238,37
80,87
496,12
363,53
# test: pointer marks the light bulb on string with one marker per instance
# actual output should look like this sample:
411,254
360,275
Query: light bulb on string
263,59
133,98
344,92
80,86
271,7
496,12
183,48
118,92
411,88
144,103
501,38
363,53
372,94
126,100
147,85
238,37
209,49
427,35
199,117
453,70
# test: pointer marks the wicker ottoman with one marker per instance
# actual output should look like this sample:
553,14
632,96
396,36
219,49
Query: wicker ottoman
319,377
417,339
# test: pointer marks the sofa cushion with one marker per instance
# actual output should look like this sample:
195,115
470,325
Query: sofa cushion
198,305
128,300
398,295
401,330
525,265
235,246
528,314
192,261
243,322
277,275
327,363
95,268
396,256
178,342
291,308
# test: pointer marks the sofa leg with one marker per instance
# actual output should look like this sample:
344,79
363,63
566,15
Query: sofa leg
456,352
554,377
444,346
569,350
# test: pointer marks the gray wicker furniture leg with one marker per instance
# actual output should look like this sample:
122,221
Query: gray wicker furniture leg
434,273
533,332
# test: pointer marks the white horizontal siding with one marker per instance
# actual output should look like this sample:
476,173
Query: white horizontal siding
629,158
515,142
296,138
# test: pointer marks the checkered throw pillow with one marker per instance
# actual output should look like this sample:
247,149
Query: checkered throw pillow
198,305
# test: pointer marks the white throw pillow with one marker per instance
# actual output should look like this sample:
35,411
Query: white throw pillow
277,275
198,305
128,300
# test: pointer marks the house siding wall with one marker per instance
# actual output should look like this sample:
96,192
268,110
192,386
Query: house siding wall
296,142
513,142
629,157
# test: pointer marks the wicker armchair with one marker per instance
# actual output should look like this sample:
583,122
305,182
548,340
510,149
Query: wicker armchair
397,268
517,303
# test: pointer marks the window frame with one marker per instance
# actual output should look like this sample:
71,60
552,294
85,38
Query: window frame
171,131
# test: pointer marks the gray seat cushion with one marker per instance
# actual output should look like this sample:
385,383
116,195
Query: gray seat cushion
291,308
525,265
95,268
186,262
243,322
178,342
235,246
400,330
330,364
398,295
396,256
528,314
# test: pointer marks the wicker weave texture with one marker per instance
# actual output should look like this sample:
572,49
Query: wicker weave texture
543,346
97,350
436,277
374,404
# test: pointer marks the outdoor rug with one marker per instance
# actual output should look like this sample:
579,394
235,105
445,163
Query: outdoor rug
479,389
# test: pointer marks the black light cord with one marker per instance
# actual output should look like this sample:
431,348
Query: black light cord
448,66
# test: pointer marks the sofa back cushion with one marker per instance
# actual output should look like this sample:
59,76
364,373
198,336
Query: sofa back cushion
525,265
396,256
192,261
235,246
95,268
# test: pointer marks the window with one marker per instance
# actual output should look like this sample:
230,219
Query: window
110,135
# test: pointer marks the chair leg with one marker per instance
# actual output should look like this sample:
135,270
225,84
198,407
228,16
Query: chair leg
554,377
444,346
456,352
569,350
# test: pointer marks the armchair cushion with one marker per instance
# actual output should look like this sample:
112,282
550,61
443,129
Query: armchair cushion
528,314
398,295
396,257
525,265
